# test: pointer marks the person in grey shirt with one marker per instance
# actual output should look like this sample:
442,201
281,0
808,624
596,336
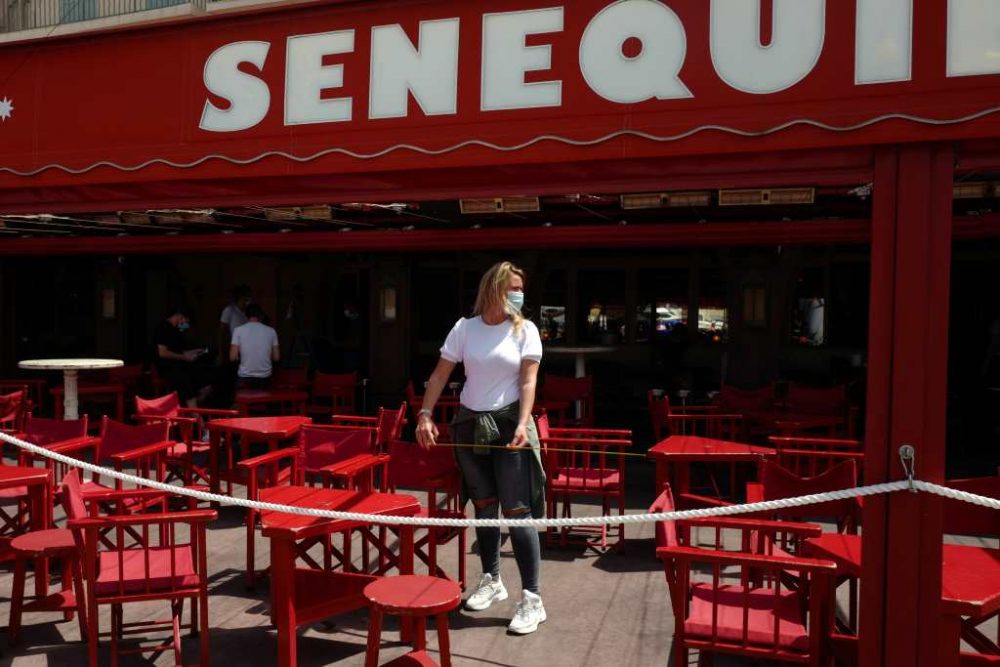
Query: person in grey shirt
255,346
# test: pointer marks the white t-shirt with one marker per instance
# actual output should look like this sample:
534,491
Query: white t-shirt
233,317
492,355
255,341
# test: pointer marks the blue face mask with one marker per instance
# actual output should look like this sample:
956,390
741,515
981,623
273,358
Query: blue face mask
183,326
516,300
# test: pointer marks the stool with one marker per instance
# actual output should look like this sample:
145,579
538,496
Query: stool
45,544
416,597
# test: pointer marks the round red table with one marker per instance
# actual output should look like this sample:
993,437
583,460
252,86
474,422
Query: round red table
416,597
44,544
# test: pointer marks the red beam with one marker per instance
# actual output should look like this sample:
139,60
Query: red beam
607,236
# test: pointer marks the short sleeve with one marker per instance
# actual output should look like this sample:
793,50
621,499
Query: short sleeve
226,317
453,349
274,338
531,348
236,336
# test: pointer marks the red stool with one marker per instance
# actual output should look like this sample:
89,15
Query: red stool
417,597
41,545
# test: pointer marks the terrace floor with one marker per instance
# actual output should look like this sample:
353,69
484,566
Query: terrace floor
603,609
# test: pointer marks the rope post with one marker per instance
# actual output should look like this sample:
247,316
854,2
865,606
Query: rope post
908,457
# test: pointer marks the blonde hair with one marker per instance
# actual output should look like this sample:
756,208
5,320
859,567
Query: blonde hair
493,292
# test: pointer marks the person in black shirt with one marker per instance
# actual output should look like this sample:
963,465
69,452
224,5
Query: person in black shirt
175,361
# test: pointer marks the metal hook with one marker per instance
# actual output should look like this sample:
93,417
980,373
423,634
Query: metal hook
908,456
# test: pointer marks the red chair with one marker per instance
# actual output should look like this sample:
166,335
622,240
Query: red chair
776,482
333,393
808,457
328,454
388,425
560,395
756,405
659,413
162,567
435,472
725,611
585,462
188,425
966,519
44,433
824,402
290,378
445,410
707,424
14,408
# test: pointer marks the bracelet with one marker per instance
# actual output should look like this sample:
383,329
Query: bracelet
424,411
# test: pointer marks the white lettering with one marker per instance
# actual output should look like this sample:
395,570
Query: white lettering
884,41
506,59
973,37
741,61
249,97
306,78
430,73
652,73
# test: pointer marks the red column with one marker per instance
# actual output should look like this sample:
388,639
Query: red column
907,384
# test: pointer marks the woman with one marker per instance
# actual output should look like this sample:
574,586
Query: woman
501,352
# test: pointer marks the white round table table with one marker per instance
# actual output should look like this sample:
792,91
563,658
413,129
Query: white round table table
70,369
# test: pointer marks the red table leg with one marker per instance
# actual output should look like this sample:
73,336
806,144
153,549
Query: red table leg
283,599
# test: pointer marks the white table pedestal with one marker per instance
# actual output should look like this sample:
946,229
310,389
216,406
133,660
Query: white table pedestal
71,398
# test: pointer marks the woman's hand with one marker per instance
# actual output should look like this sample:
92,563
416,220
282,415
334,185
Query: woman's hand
520,437
427,431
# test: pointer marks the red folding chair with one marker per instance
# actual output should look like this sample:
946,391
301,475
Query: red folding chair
388,425
163,566
333,393
188,426
587,463
808,457
560,395
435,472
14,408
737,601
445,410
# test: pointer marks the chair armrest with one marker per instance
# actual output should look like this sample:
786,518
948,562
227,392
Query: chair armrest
702,500
111,495
620,433
790,527
75,445
347,420
210,412
270,457
192,517
744,558
142,452
355,465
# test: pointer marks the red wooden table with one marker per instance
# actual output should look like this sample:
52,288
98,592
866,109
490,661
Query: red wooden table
302,595
970,579
38,483
680,451
248,398
270,430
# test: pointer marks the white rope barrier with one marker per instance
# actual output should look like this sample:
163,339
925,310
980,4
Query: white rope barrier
731,510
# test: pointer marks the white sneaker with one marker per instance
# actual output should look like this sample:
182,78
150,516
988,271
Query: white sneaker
488,591
529,613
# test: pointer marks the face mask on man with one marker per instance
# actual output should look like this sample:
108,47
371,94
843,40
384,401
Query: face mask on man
183,326
516,300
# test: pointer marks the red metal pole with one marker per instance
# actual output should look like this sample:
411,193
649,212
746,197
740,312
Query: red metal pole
907,389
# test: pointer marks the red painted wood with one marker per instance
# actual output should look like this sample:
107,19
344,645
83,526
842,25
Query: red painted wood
414,594
679,451
907,383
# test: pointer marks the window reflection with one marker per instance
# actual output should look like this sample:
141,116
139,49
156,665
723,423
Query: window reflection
809,308
553,325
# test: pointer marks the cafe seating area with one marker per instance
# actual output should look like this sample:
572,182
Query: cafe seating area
781,586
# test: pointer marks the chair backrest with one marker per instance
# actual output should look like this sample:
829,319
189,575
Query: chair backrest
117,438
966,519
389,426
129,375
659,413
13,409
338,388
563,388
44,432
163,406
320,446
290,378
71,497
666,531
721,426
580,459
808,457
816,400
777,482
746,401
411,466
